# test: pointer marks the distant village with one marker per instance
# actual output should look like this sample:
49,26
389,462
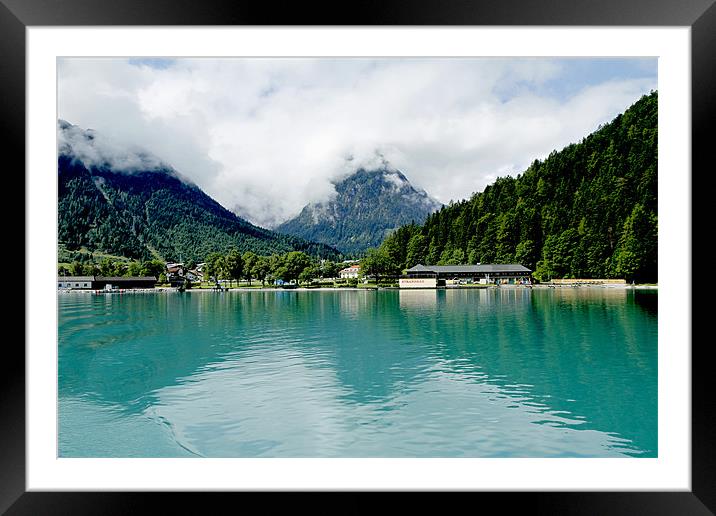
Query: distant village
181,276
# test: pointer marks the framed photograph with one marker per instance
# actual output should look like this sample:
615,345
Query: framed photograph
443,248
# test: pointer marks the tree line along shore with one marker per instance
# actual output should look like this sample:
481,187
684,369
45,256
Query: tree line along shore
232,268
250,270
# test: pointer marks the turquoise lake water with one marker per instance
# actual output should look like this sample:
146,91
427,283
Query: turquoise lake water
424,373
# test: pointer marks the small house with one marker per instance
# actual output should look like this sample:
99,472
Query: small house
350,272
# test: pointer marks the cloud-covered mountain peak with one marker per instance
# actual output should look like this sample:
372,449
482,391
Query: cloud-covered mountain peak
366,207
95,150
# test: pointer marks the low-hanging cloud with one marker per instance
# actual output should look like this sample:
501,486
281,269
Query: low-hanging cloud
267,136
94,149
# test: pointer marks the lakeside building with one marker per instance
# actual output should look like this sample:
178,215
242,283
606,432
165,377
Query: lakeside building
75,282
175,269
178,273
432,276
350,272
105,282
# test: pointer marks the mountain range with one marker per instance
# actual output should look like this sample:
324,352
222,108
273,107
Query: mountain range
127,202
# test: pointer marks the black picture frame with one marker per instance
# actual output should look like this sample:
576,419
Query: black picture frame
699,15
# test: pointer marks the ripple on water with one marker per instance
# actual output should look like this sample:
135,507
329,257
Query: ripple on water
381,374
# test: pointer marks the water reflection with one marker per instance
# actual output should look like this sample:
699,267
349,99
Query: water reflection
647,300
418,299
496,372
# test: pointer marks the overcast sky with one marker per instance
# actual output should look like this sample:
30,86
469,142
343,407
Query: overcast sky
267,136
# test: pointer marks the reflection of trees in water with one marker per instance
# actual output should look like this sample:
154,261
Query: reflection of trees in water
594,346
591,352
647,300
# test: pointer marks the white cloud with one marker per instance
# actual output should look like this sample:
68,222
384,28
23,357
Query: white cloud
269,135
96,150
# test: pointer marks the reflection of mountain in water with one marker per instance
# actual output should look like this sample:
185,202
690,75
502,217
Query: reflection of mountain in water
306,370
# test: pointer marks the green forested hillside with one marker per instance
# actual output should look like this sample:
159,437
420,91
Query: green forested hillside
587,211
146,214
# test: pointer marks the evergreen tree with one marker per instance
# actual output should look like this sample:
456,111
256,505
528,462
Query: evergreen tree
416,250
635,258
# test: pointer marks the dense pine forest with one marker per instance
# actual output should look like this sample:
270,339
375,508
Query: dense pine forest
154,214
587,211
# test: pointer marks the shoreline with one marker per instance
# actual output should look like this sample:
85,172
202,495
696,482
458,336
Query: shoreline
357,289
